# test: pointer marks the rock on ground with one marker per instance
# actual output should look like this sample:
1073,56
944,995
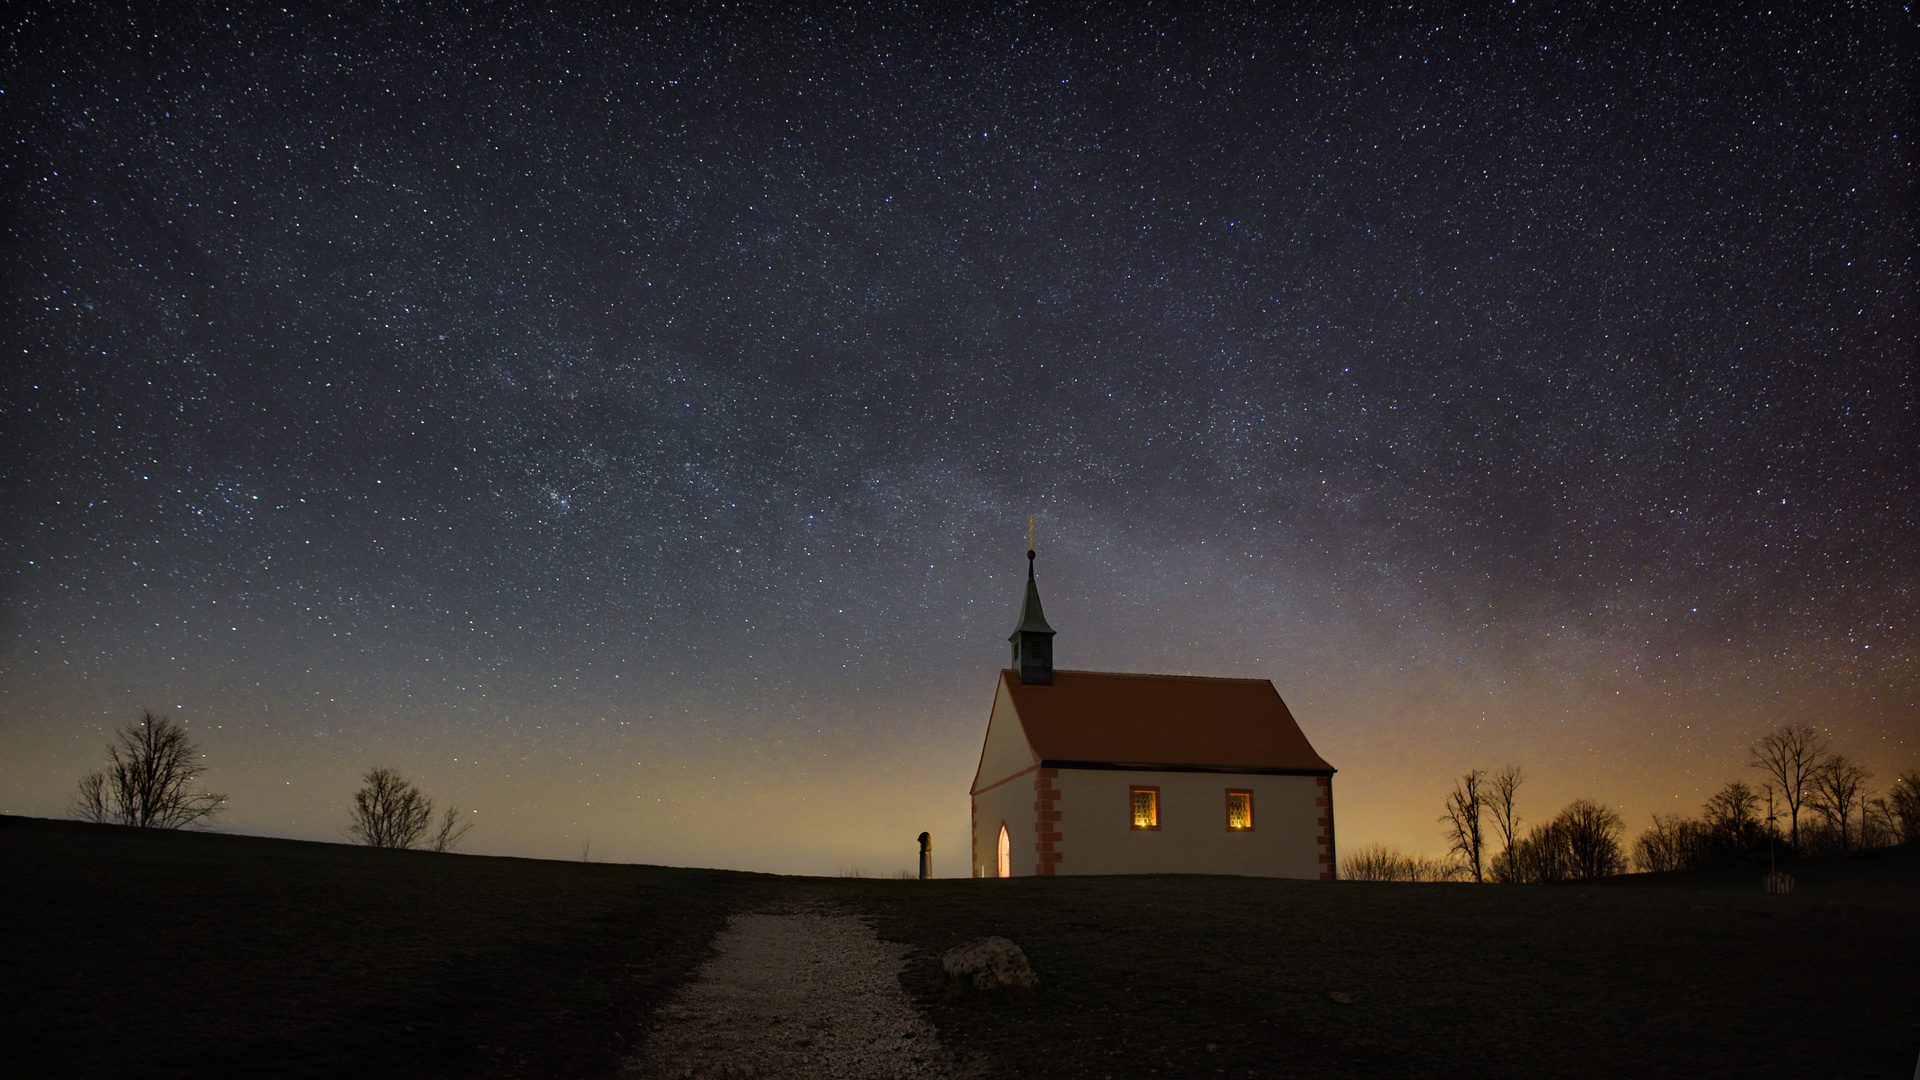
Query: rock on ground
992,962
796,995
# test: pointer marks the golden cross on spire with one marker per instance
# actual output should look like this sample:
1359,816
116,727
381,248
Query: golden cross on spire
1029,533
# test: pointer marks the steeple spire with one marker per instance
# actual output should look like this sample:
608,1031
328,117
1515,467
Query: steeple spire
1033,638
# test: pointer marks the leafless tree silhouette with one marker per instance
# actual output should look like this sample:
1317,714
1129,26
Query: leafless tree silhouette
1732,820
391,812
1464,809
1373,862
1539,856
1501,791
1378,862
150,782
1582,841
1878,826
1839,791
1673,842
1904,800
451,831
1592,836
1791,756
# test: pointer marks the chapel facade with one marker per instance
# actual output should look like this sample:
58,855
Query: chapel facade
1093,772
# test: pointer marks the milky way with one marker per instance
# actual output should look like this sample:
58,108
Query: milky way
629,424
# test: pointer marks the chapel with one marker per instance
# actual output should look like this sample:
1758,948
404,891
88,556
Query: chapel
1098,772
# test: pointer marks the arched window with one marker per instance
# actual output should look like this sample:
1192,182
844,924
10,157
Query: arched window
1006,853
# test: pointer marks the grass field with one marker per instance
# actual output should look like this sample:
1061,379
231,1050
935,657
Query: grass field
173,954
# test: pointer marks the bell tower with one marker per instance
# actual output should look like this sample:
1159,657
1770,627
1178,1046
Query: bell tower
1033,638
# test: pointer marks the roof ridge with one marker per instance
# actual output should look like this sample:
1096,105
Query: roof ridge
1155,675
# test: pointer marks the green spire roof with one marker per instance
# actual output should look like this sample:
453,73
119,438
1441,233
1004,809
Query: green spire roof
1032,619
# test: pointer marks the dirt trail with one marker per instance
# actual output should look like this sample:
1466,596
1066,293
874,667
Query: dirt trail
794,995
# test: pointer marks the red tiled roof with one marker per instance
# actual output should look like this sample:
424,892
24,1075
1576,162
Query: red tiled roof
1099,717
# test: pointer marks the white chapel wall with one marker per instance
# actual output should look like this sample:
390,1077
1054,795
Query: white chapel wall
1006,750
1098,838
1012,803
1005,754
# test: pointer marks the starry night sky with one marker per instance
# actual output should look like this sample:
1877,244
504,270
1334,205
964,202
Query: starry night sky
627,425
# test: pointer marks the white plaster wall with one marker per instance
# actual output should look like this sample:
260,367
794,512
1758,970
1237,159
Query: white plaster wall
1004,753
1098,838
1005,750
1011,802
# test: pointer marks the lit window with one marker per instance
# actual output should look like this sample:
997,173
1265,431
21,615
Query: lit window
1239,811
1146,807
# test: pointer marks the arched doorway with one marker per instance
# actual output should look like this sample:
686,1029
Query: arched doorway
1006,853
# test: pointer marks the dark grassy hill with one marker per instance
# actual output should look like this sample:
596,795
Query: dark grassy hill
1699,975
167,954
1889,874
157,954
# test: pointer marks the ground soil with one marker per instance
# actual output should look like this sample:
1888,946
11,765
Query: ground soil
801,994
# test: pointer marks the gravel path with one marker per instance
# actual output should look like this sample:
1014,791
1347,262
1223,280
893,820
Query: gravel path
797,995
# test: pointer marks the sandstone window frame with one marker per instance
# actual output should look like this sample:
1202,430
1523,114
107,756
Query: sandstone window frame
1241,793
1152,791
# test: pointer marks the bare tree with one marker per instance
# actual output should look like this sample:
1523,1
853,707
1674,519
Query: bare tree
150,782
1791,756
1732,819
1504,868
1374,862
1673,842
1378,862
1500,799
1730,826
390,812
1878,826
1464,809
1582,841
1904,800
1839,790
1435,868
451,831
1540,856
1592,834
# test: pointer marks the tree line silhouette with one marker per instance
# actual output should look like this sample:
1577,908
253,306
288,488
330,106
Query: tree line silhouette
151,781
1802,774
151,777
1737,823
